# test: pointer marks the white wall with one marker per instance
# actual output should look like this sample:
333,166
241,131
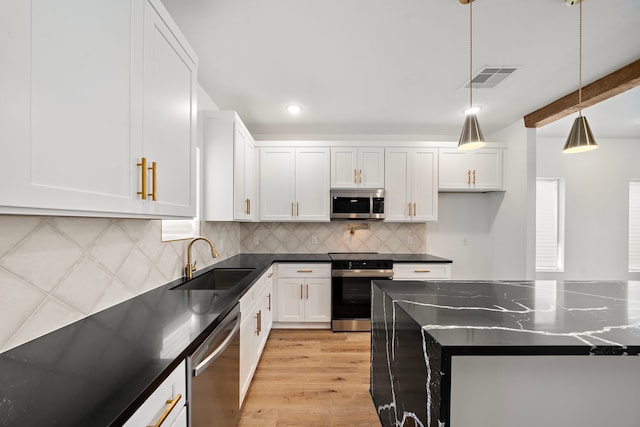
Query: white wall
596,206
491,235
513,227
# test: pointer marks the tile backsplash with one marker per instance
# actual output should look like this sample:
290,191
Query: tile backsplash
335,236
56,270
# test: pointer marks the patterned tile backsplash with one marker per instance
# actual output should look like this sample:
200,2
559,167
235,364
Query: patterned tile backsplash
56,270
335,236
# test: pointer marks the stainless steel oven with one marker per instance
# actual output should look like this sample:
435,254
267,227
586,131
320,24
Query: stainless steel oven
351,276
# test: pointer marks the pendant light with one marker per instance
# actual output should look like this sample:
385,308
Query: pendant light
471,137
580,138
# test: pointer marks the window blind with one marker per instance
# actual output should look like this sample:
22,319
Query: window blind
549,239
634,226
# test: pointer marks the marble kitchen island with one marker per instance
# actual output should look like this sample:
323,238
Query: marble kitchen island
491,353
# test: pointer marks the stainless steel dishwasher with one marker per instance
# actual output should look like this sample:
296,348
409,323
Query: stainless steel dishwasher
215,376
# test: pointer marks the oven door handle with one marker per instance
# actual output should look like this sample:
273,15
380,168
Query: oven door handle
362,273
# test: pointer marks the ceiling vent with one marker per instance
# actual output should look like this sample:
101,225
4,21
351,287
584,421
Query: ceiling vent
489,77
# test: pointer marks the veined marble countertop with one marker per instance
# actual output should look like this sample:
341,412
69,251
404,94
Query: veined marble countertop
524,317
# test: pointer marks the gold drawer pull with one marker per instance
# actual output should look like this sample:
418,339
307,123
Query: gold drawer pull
422,271
153,170
165,414
469,177
305,271
143,166
474,177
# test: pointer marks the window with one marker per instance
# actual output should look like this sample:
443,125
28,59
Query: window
549,225
634,226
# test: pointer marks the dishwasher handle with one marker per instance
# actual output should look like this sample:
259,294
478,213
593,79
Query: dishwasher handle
222,347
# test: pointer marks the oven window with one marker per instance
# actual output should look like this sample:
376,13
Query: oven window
351,205
351,297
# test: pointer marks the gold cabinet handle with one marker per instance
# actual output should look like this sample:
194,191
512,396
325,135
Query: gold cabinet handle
422,271
469,177
165,414
409,208
301,285
154,172
246,206
269,301
297,209
305,271
360,176
143,166
259,322
415,209
354,176
270,275
474,177
292,209
307,286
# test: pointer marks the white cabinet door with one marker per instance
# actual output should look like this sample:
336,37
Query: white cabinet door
411,184
169,135
312,184
398,188
294,184
424,184
248,359
277,184
88,90
269,303
370,167
243,174
357,167
478,170
291,299
344,167
317,300
65,108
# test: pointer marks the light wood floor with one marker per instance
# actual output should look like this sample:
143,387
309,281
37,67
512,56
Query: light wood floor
311,378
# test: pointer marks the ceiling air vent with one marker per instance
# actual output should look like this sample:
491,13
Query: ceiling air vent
489,77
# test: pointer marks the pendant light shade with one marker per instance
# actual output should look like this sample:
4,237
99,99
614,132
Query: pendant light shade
471,136
580,138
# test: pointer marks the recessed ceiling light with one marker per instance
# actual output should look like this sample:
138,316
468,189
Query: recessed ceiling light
472,110
294,109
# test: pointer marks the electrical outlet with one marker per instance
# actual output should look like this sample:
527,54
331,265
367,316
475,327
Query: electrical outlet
410,240
256,240
314,240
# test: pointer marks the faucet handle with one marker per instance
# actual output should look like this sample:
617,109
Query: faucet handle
193,267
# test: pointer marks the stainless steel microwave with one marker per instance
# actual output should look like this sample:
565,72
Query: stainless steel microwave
357,204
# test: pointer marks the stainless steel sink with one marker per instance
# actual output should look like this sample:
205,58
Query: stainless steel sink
216,279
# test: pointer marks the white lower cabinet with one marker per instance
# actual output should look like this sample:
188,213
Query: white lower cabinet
168,399
303,293
255,309
421,271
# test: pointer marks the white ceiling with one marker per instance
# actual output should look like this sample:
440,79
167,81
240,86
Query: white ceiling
397,67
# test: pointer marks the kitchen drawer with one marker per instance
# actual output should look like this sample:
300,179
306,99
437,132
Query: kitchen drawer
249,299
304,270
421,271
161,400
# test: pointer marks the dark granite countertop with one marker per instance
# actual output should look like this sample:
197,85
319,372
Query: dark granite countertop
98,370
531,317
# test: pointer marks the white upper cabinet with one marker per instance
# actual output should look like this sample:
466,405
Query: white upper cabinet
294,184
411,192
477,170
357,167
228,185
88,90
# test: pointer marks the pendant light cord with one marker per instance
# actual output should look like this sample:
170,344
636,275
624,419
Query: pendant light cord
470,54
580,66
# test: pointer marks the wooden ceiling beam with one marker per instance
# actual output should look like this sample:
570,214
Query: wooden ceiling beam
619,81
